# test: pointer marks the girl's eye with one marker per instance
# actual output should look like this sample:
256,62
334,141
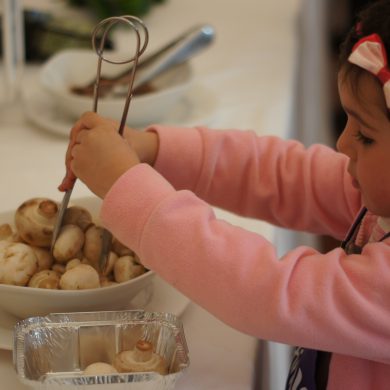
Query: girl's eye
363,139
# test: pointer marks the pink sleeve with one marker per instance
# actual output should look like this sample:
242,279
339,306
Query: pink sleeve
261,177
332,302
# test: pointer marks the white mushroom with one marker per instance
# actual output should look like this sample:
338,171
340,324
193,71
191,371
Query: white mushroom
72,263
77,215
125,268
140,359
45,258
45,279
99,368
81,277
8,234
112,258
59,268
68,244
17,264
3,244
120,249
35,219
137,259
7,237
84,260
93,244
5,231
106,282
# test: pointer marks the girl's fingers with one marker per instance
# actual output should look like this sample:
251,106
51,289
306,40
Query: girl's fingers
86,122
70,178
80,136
68,181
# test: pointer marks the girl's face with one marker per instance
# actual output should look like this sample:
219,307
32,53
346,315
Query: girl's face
366,141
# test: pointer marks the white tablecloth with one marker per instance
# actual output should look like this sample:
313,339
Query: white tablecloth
250,69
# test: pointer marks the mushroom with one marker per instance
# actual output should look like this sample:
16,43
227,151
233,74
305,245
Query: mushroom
68,244
140,359
3,244
81,277
137,259
99,368
8,234
106,282
17,264
112,258
93,244
59,268
45,279
45,258
35,219
72,263
120,249
5,235
84,260
5,231
125,268
77,215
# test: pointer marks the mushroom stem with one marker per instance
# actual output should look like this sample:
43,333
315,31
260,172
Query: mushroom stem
143,351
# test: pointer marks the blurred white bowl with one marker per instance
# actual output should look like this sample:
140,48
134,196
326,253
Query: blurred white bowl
24,302
77,67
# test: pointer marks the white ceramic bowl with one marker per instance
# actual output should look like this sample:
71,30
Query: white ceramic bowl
70,68
23,302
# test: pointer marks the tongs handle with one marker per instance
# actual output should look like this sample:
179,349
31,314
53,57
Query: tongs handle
106,24
142,36
142,41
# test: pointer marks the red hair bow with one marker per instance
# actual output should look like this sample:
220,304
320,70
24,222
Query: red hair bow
369,53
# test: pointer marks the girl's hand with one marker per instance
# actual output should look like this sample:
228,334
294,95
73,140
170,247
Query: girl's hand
97,154
145,144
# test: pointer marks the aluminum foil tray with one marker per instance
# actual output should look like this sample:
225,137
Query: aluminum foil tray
51,352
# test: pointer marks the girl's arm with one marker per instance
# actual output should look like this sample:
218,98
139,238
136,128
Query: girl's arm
262,177
330,302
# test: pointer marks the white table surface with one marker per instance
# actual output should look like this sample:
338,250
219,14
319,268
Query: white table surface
250,69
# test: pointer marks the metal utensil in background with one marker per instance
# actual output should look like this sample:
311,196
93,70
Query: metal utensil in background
12,49
142,38
175,52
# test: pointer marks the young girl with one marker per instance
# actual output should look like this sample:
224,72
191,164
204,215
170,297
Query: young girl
158,186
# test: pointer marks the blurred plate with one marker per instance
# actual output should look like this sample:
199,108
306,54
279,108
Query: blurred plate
164,299
197,107
75,67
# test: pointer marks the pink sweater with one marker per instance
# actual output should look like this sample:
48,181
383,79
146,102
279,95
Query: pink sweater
331,302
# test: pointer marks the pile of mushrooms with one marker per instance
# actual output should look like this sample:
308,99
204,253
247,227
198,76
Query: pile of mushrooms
141,358
26,259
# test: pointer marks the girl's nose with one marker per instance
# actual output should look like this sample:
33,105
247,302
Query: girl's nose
345,143
341,142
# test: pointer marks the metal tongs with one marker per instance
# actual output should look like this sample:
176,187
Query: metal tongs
142,38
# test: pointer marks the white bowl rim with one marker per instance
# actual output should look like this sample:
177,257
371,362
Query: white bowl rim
70,293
